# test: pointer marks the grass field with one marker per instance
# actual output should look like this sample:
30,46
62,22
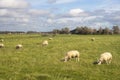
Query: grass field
35,62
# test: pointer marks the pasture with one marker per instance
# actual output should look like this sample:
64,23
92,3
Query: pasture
37,62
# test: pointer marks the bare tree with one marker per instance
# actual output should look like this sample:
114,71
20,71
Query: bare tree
116,30
65,30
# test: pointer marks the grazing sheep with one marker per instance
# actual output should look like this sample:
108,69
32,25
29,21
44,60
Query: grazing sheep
71,54
19,46
45,43
92,39
105,58
1,45
50,38
1,40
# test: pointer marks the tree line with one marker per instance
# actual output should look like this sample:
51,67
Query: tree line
84,30
87,30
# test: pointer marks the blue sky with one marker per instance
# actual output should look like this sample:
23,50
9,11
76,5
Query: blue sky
46,15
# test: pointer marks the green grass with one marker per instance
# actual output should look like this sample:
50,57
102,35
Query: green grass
35,62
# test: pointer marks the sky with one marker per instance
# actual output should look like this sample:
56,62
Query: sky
46,15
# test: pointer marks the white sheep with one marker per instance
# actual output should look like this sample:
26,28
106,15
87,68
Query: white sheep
71,54
105,58
45,42
1,45
1,40
19,46
50,38
93,39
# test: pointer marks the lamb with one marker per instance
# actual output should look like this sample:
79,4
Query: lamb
71,54
1,45
19,46
45,42
106,57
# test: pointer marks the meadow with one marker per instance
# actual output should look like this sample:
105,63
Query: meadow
35,62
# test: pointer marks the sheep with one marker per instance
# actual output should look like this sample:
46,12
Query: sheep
50,38
1,45
45,43
71,54
1,40
19,46
105,57
92,39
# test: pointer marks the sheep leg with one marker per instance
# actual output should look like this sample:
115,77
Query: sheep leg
99,63
77,59
109,61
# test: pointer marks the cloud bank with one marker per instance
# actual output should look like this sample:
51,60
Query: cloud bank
18,15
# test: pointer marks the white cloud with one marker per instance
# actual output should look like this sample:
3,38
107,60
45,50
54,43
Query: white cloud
50,21
13,4
90,18
100,24
38,12
3,12
22,20
51,1
64,1
60,1
14,13
110,5
77,12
